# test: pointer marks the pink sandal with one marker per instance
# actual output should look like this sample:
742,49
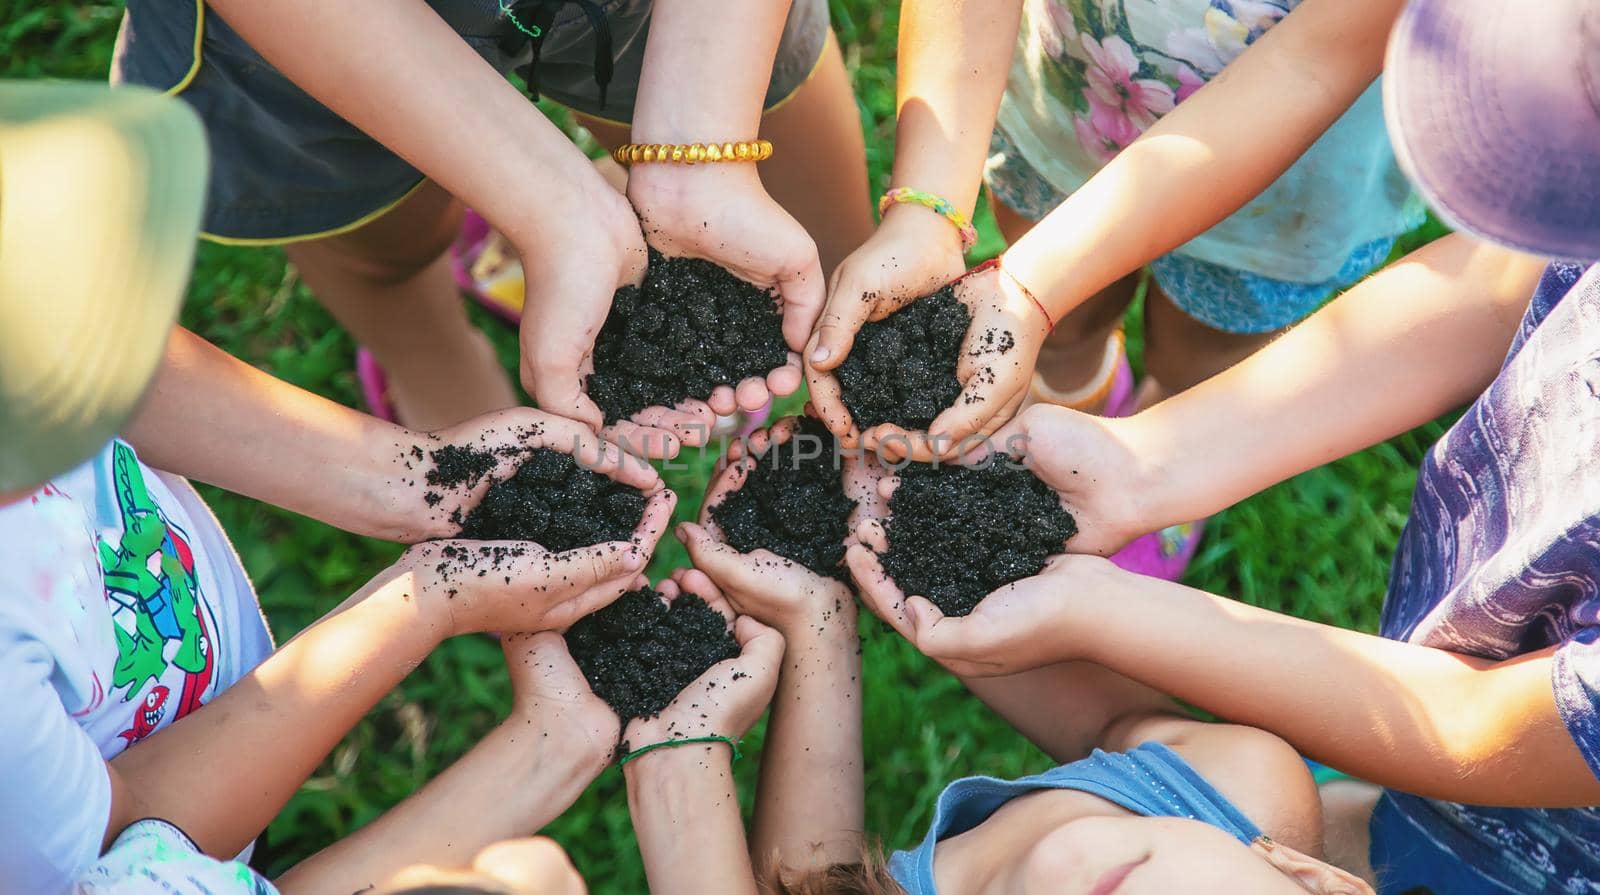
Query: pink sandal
485,269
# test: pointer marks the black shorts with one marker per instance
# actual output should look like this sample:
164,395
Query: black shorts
285,168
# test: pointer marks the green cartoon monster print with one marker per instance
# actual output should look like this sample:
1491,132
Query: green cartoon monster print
151,574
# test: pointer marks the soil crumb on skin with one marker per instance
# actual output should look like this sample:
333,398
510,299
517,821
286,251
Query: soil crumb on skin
638,653
556,503
902,369
792,503
455,465
957,533
691,327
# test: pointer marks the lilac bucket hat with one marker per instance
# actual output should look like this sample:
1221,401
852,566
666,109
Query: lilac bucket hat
1494,111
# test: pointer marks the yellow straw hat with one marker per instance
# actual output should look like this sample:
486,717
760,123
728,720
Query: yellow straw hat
100,198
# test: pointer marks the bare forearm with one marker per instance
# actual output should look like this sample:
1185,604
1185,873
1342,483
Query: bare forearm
397,71
809,805
212,417
1416,719
517,779
1066,709
254,745
683,802
1424,336
954,56
1209,156
706,69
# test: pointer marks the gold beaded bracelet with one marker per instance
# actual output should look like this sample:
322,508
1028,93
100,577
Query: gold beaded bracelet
693,153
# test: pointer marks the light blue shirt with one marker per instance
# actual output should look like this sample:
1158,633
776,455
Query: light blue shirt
1149,780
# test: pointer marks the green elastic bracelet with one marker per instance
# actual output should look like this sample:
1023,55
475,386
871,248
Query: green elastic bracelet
732,743
505,10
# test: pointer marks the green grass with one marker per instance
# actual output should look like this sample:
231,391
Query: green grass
1317,546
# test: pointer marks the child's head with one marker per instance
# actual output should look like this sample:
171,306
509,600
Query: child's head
100,198
1099,853
1494,110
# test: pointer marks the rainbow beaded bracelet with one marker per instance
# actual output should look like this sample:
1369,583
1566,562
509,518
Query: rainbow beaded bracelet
693,153
938,204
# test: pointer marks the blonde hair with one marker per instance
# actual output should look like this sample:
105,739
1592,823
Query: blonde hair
868,876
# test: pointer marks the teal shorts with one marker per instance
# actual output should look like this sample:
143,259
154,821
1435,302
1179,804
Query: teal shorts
285,168
1223,298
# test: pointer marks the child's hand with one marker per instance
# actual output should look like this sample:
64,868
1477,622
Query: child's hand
549,691
570,281
419,510
912,253
1026,624
518,586
996,363
732,694
1102,472
720,212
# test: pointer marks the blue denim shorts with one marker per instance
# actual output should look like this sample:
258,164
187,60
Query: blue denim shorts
285,168
1223,298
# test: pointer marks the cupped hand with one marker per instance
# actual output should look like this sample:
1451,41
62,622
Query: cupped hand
720,212
913,252
519,586
421,506
1026,624
570,279
1106,478
548,689
732,694
996,363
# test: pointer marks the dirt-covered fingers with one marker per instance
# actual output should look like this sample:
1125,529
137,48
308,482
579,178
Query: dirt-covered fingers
608,458
786,379
653,523
878,591
728,480
827,399
643,443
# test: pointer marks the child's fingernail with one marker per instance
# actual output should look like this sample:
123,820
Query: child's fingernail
821,354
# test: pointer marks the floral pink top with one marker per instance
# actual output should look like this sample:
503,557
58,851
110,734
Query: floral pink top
1090,76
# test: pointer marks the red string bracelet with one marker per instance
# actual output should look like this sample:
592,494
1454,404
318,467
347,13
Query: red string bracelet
994,263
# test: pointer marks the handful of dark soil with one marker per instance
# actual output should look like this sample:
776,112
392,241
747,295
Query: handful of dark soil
638,653
792,503
902,369
957,533
691,327
553,501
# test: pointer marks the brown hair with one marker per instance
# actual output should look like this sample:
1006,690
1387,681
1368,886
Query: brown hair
868,876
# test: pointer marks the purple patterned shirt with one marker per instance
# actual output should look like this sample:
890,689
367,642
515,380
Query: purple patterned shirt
1501,557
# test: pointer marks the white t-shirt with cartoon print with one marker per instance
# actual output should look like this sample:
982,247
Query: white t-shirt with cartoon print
122,608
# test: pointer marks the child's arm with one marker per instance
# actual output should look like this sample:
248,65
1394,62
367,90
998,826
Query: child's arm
810,804
704,79
682,798
224,771
953,58
520,777
397,71
1423,336
1210,155
1417,719
211,417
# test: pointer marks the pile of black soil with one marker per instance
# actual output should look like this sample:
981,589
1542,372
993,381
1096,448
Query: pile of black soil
902,369
638,653
956,533
792,503
553,501
691,327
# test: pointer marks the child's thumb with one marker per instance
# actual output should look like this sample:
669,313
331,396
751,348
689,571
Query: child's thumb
841,320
